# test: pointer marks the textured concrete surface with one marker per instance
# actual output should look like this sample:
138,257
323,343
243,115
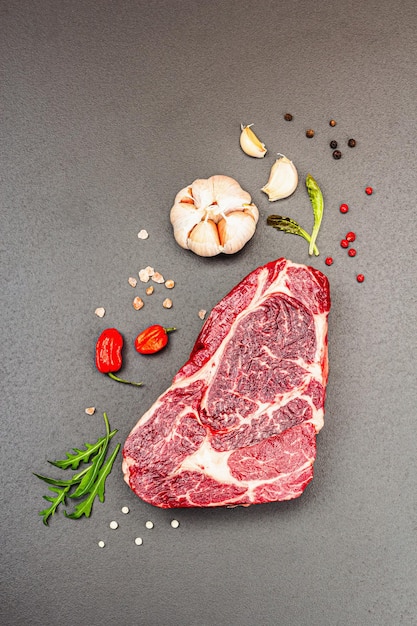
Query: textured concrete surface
107,110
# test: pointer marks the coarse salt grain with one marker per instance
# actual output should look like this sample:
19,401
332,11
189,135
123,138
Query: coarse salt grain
157,278
113,525
132,281
149,524
138,303
138,541
175,523
90,410
100,311
101,544
143,276
149,290
143,234
167,303
146,273
169,284
202,314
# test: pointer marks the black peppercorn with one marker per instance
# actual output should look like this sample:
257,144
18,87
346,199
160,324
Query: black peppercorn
310,133
288,117
351,143
337,154
333,144
332,123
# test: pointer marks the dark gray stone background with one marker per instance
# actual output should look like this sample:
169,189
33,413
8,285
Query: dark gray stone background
107,110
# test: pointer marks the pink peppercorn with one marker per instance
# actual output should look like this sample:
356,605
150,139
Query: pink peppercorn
352,252
329,260
344,243
360,278
344,208
369,191
350,237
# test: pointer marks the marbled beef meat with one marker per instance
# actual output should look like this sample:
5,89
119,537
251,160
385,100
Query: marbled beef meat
238,425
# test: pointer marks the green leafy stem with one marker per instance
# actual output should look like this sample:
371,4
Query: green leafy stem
89,483
288,225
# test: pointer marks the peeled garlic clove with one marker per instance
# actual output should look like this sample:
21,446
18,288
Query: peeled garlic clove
283,179
204,239
235,230
250,143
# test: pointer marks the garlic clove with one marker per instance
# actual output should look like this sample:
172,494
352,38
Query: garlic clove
235,230
283,179
184,217
252,210
185,195
250,143
204,239
202,193
227,194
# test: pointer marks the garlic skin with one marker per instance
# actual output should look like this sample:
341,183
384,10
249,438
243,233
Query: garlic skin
250,143
283,179
213,216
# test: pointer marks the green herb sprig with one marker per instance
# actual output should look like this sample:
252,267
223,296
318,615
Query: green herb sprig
288,225
88,483
317,203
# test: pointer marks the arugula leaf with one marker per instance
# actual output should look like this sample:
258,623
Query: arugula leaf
90,481
317,202
97,489
63,483
59,499
288,225
81,456
92,473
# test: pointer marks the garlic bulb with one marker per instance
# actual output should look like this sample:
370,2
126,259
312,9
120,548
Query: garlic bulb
250,143
283,179
213,215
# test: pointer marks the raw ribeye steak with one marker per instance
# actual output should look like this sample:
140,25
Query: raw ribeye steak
238,425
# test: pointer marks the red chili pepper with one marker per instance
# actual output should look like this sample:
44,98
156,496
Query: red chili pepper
152,339
109,354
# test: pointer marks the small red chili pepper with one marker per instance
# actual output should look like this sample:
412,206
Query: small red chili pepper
344,208
152,339
109,354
